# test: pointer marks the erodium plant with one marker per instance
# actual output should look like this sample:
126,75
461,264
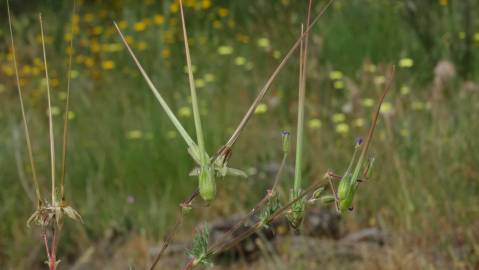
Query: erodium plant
48,214
269,208
210,168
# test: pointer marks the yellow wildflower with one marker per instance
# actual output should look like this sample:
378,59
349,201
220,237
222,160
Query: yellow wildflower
129,39
386,107
97,30
26,70
200,83
223,12
134,134
54,82
339,85
359,122
88,17
263,43
142,46
184,111
205,4
405,90
71,115
240,60
371,68
368,102
95,47
140,26
7,70
338,117
123,24
159,19
108,64
74,74
225,50
335,75
276,54
174,7
406,62
67,37
165,53
379,80
342,128
261,108
314,123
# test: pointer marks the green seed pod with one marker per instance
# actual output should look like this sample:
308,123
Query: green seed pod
207,184
346,203
343,188
327,199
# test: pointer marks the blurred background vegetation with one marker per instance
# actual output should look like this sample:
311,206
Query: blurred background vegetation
127,167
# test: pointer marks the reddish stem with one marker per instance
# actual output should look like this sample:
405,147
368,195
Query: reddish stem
189,265
50,256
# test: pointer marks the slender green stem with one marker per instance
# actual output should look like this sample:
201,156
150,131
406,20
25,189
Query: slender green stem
388,86
50,120
189,141
67,109
302,93
300,127
194,97
22,108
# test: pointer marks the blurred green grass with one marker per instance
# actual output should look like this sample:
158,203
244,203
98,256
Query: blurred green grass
127,168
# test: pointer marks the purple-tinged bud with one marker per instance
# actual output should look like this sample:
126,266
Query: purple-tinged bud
359,141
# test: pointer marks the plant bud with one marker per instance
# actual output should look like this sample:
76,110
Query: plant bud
207,184
327,199
286,141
